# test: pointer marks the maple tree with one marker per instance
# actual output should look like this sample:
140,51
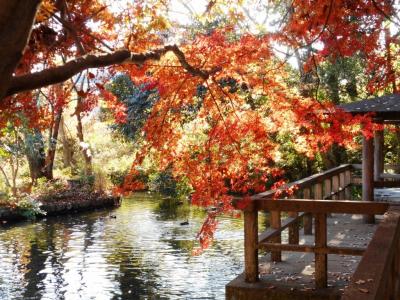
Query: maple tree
224,97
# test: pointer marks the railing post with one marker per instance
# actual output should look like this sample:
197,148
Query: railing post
335,187
347,181
368,174
294,235
327,189
318,191
276,224
251,243
321,260
341,186
307,217
378,154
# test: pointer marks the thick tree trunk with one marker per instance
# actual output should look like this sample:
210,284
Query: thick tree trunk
51,152
16,20
68,151
34,149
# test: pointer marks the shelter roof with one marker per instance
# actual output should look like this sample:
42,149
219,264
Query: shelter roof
386,108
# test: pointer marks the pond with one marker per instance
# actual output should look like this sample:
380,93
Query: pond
137,251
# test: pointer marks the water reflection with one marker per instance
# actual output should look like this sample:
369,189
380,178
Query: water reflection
143,253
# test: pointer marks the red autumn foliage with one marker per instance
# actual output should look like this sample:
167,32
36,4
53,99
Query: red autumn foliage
235,150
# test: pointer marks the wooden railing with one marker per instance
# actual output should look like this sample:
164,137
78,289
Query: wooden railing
332,184
387,180
320,208
328,189
378,274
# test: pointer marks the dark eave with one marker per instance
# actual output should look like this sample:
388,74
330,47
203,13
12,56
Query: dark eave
386,108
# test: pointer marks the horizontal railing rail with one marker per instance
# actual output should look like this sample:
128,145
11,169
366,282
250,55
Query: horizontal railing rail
320,208
309,181
377,276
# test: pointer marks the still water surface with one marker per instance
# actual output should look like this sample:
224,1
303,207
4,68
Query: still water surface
142,253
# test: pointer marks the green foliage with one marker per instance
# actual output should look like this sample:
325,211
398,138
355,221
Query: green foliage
86,180
117,177
392,146
27,206
164,183
44,186
138,100
342,80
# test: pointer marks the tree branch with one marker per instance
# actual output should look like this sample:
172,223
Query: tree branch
61,73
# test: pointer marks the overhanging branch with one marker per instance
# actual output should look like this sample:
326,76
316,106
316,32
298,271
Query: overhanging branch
61,73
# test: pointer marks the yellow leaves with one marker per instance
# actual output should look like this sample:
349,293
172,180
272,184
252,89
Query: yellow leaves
46,10
159,23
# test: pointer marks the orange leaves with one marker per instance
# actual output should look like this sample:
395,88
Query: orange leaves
206,233
223,133
243,203
117,107
45,11
342,28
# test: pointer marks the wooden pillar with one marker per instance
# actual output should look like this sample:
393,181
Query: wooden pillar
294,235
276,224
307,217
378,154
294,228
321,260
327,190
335,187
318,191
347,190
251,244
368,174
342,185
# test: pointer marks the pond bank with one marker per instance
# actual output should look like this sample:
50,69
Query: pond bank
65,202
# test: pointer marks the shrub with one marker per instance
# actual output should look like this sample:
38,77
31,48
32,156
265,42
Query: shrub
27,206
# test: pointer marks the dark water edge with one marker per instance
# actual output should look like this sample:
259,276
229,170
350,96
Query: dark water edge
137,251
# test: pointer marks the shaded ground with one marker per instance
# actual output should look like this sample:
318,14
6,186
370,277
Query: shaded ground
297,269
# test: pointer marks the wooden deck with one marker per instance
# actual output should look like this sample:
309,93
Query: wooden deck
295,274
346,261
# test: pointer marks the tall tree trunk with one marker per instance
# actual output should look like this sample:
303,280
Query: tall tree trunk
68,151
87,155
51,152
16,20
34,150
